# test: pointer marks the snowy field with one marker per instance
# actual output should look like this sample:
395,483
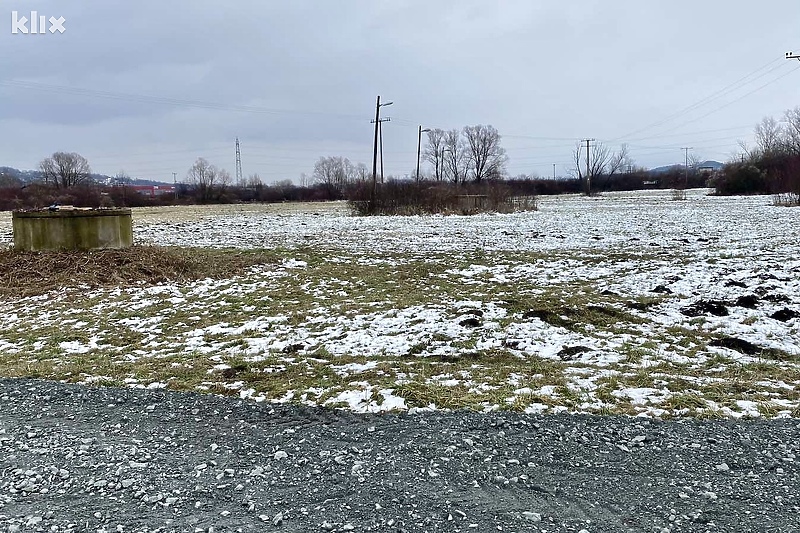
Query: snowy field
626,303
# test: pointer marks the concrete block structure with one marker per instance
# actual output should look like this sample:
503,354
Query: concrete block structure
72,229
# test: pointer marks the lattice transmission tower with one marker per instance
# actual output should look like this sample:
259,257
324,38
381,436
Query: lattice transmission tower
239,176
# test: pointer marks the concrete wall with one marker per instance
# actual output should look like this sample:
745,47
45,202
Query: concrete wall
72,229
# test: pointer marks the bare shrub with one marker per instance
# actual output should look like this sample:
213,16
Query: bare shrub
787,199
426,197
678,194
740,178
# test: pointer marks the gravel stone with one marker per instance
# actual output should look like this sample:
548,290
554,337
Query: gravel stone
292,468
533,517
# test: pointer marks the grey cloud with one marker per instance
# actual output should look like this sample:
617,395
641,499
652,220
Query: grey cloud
536,69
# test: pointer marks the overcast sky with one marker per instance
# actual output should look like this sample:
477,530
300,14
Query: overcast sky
147,86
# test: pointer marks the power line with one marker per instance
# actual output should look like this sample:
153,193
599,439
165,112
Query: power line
689,133
149,99
750,78
735,100
708,99
677,145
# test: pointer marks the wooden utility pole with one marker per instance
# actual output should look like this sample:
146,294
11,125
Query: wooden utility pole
419,147
588,183
377,122
588,175
380,141
686,168
375,155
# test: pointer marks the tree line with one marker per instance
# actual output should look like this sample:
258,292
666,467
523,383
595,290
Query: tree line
771,166
473,154
66,178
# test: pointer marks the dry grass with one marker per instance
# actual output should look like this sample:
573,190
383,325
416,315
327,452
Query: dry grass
34,273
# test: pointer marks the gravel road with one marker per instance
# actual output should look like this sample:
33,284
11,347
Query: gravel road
104,460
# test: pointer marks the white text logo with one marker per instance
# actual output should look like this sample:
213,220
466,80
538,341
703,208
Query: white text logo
36,24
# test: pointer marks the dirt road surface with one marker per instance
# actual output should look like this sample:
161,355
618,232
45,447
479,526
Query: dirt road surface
104,460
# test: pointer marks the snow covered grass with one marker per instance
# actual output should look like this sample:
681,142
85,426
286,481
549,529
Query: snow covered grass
625,303
5,229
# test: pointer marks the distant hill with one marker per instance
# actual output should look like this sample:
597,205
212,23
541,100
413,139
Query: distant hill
25,176
109,180
714,165
29,176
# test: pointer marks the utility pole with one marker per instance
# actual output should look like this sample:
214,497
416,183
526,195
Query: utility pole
377,123
175,184
380,140
380,133
419,147
239,177
588,184
686,168
554,171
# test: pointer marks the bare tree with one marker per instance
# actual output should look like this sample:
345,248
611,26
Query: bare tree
434,152
202,175
599,157
577,158
334,172
283,185
361,173
487,158
792,130
619,161
455,157
122,178
65,170
253,181
769,136
747,152
224,179
694,161
209,181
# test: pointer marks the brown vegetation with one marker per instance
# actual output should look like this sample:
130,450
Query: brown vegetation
772,166
428,197
35,273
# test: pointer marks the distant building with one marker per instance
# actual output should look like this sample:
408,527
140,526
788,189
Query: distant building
153,190
708,171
